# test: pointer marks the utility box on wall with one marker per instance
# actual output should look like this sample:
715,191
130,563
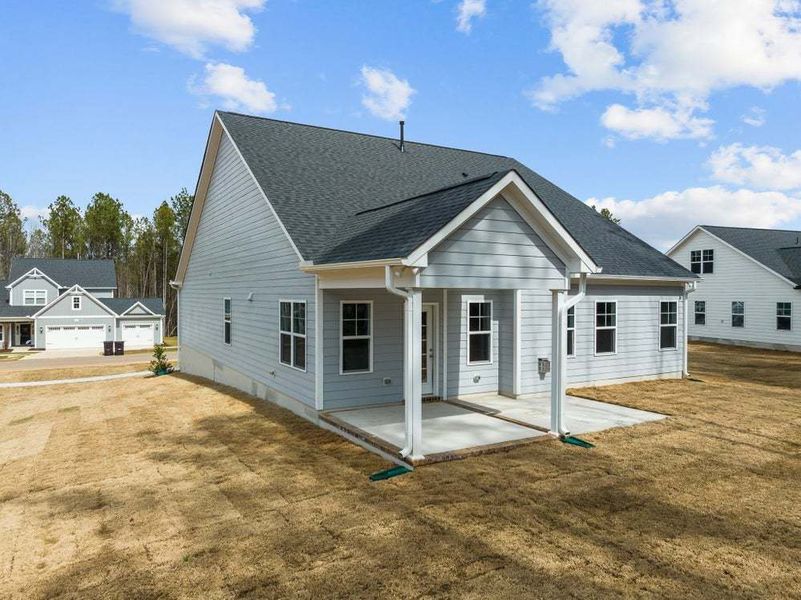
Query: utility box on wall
543,366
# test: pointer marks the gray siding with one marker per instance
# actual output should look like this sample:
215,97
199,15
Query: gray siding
32,283
240,249
495,249
63,308
737,278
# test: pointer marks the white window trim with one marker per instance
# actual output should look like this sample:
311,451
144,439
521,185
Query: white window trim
731,310
32,294
292,334
595,328
229,321
472,333
701,262
80,302
696,312
569,329
675,347
342,338
790,316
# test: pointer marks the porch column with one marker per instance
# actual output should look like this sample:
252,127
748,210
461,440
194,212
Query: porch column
412,367
558,367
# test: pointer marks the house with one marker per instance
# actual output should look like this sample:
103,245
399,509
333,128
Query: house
749,288
327,270
68,303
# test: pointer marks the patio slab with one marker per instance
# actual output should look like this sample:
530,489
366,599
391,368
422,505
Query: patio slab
581,415
449,431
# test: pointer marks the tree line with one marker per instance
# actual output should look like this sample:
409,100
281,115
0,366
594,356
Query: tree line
145,250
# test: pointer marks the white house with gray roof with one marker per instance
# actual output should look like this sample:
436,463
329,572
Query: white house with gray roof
327,270
749,291
69,304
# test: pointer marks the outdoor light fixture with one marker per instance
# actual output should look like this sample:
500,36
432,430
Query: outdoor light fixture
41,329
108,327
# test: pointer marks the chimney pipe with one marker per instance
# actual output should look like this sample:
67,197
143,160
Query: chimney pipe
402,123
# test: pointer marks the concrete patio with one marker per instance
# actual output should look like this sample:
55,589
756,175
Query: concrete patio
479,424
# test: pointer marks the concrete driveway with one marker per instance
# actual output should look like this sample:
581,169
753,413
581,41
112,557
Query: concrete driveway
61,359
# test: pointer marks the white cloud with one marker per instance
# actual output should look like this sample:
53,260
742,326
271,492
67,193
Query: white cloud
755,117
664,219
387,96
191,26
236,91
467,11
33,213
659,123
763,167
670,52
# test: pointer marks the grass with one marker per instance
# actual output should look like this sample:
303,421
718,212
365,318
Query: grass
10,356
69,373
174,488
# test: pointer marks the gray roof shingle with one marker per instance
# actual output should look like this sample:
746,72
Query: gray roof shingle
777,249
68,271
322,181
6,310
120,305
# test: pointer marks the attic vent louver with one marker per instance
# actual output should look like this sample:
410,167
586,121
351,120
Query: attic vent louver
402,123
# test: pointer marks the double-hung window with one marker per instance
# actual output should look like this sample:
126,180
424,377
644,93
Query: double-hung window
702,261
700,312
738,314
479,333
605,327
784,316
357,337
227,320
571,331
292,333
34,297
76,303
668,324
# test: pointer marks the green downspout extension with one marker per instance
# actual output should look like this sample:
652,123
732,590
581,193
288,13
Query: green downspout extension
569,439
387,473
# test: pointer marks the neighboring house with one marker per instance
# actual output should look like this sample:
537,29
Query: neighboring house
67,303
325,269
749,288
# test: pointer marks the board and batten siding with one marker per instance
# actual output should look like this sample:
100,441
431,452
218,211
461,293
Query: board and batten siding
495,249
239,250
738,278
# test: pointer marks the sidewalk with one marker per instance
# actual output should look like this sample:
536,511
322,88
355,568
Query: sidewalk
42,361
20,384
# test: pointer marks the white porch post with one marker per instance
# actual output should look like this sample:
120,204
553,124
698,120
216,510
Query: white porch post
412,366
558,367
518,342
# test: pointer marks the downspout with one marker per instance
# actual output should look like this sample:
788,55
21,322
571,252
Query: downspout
560,389
688,289
407,315
177,287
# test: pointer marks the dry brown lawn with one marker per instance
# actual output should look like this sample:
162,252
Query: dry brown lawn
69,373
171,488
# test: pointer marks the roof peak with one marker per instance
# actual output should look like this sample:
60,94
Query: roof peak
351,132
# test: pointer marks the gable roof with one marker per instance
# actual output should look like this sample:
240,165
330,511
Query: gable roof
777,249
348,197
68,271
120,305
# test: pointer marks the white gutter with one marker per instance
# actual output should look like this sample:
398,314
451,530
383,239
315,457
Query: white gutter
559,353
407,385
688,289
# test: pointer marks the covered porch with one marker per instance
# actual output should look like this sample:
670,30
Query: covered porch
16,333
478,424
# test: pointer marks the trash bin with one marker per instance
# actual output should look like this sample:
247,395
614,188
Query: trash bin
108,348
119,348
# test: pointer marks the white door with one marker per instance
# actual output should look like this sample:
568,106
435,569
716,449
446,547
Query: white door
75,336
428,356
138,335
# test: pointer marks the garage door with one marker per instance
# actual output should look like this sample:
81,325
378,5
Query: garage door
137,334
75,336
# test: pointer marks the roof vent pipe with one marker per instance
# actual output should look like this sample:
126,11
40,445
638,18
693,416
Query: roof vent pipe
402,123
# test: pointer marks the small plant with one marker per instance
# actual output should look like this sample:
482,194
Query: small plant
160,365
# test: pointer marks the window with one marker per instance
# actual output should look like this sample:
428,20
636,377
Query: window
738,314
292,334
702,261
34,297
668,320
357,334
605,327
479,333
227,320
571,331
700,312
76,303
784,316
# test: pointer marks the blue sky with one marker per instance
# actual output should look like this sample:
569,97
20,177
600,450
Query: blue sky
669,113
